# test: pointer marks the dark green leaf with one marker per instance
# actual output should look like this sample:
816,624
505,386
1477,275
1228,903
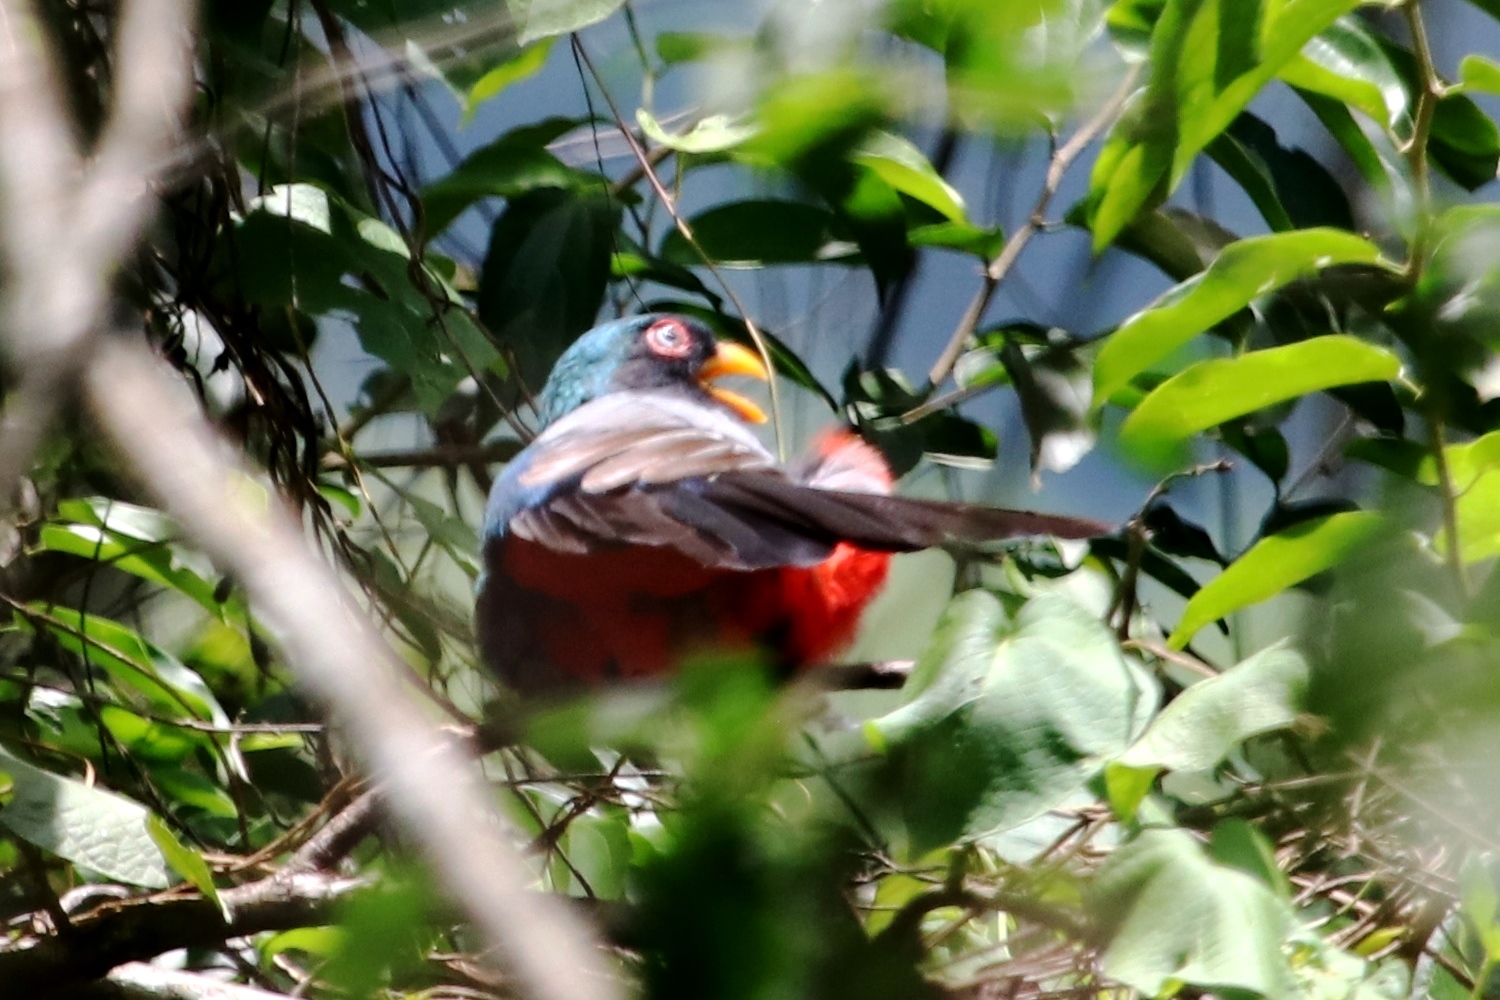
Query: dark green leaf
545,274
514,164
760,232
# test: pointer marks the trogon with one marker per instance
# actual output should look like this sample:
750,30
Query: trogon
646,521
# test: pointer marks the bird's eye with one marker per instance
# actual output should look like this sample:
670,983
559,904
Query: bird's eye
668,338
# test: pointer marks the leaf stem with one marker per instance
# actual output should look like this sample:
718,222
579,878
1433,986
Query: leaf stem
1449,499
1415,149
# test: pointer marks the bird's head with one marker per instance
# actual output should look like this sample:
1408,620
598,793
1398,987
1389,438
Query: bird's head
653,351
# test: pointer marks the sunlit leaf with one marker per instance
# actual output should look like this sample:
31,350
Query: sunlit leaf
1006,719
1211,392
1209,59
88,826
184,861
536,19
1171,915
1275,563
1206,722
1243,272
522,66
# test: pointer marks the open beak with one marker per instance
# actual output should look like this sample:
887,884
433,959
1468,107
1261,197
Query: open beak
733,359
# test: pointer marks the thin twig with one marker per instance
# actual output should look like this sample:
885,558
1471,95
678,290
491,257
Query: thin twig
998,268
670,204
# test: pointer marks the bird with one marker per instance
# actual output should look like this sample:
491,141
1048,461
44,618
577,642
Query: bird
646,521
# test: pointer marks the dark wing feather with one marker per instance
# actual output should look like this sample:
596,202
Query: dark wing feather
654,470
892,523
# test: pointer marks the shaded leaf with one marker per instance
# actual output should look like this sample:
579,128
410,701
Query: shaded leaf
514,164
760,232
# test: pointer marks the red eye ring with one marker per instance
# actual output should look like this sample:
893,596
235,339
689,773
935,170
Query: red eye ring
669,338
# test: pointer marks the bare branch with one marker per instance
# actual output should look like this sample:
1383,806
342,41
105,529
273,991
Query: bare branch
998,268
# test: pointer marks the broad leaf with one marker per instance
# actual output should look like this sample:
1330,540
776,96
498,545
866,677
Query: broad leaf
1275,563
537,19
88,826
514,164
758,232
1171,915
1208,720
1008,718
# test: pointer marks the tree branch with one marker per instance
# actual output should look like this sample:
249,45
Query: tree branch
998,268
155,424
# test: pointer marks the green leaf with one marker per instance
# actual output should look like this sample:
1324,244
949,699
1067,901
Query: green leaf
537,19
185,861
713,134
1209,59
132,539
1243,272
759,232
1237,844
524,65
1478,510
1171,915
545,273
904,167
1007,719
1290,188
1478,73
1275,563
514,164
1347,63
88,826
169,687
1206,722
302,247
1212,392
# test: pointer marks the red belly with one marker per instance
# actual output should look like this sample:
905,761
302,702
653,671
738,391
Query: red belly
636,612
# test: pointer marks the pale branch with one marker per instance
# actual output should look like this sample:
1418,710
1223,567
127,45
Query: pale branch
65,224
997,269
156,426
57,301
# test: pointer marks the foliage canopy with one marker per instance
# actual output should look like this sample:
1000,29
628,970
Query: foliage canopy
1252,758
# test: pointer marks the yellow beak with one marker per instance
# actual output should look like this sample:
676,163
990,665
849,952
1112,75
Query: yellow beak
733,359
